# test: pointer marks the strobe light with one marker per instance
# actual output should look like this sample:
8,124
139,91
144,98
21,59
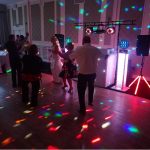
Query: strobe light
88,31
110,30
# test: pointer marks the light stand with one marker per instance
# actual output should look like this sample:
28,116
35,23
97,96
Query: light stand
139,77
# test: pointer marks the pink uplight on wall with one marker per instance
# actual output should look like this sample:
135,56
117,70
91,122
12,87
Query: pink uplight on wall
122,71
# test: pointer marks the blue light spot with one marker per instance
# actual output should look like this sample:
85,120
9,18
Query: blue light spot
61,4
124,44
128,27
148,26
126,9
138,65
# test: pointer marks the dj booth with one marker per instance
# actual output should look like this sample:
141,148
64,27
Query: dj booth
105,74
4,61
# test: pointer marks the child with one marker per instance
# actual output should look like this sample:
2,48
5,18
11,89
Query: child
31,73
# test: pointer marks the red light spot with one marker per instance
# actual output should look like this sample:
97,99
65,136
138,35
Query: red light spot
79,136
65,113
46,106
7,141
52,147
106,108
62,105
84,126
108,117
40,117
95,140
89,120
89,110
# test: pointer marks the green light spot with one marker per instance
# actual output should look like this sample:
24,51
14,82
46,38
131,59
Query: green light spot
8,71
133,7
82,11
68,40
101,10
106,6
133,130
77,27
51,21
95,28
46,114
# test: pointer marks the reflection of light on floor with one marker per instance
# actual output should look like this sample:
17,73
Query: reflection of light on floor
28,136
130,128
54,129
49,124
75,118
27,111
95,140
90,120
1,107
105,125
79,136
50,147
106,118
7,141
20,121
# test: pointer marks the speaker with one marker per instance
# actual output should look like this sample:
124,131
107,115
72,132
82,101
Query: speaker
143,45
61,39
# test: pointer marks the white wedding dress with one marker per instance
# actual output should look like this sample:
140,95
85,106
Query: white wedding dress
56,67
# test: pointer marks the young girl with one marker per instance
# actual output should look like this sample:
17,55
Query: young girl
68,68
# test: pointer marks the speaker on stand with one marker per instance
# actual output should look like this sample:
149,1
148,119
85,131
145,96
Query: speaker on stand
142,49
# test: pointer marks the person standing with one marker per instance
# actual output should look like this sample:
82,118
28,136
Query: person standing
31,73
14,59
56,63
86,57
68,67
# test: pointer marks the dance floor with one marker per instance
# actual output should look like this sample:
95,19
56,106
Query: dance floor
117,120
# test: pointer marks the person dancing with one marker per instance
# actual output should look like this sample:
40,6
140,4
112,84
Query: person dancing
56,63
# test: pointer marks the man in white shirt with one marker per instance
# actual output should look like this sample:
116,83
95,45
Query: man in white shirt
86,57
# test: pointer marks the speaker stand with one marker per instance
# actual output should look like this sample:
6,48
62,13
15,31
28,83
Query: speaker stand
139,77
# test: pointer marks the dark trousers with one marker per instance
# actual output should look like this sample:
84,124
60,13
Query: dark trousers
34,93
16,73
83,81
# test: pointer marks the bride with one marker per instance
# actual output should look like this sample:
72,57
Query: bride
56,64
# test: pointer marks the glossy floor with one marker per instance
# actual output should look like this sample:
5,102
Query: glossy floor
116,120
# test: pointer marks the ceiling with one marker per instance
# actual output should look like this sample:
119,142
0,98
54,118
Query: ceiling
9,1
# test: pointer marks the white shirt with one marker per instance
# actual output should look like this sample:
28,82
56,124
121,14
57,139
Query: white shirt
86,57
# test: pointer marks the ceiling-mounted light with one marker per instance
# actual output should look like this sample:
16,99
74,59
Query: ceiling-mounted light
110,30
88,31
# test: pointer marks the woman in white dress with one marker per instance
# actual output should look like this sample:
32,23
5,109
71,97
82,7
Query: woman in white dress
56,64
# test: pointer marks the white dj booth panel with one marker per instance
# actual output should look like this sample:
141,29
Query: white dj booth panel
105,75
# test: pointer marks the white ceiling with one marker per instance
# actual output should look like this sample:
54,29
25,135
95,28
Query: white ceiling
9,1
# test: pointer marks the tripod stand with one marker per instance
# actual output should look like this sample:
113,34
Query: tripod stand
139,77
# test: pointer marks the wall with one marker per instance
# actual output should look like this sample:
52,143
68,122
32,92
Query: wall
4,28
43,18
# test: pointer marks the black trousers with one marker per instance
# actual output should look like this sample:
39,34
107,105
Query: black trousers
34,93
83,81
16,73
